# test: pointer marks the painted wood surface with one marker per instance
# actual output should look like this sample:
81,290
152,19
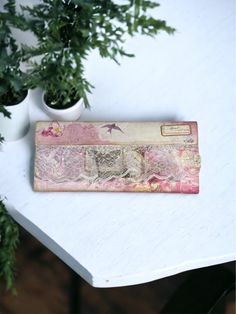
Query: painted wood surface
123,239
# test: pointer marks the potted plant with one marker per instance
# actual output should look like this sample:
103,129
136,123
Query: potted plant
9,238
67,30
14,118
63,86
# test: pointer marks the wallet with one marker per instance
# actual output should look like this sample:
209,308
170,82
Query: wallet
117,156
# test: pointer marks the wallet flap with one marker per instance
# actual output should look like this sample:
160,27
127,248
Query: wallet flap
111,133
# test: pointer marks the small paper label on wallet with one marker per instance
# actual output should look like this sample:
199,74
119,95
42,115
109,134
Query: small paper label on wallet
175,130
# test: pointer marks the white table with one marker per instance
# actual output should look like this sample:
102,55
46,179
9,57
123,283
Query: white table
118,239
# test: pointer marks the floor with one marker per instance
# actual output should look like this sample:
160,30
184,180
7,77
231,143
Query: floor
43,285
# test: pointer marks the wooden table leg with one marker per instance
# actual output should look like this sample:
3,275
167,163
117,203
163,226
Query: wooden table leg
75,293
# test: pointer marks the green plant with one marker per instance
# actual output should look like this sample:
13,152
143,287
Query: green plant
9,238
67,30
1,139
12,80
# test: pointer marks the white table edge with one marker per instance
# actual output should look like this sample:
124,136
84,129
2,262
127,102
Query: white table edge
117,281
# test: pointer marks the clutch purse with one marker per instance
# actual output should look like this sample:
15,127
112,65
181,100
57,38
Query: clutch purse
117,156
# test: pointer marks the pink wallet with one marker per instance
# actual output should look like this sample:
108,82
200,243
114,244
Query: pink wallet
117,156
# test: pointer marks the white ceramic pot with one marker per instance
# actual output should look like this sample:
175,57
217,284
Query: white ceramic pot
70,114
18,125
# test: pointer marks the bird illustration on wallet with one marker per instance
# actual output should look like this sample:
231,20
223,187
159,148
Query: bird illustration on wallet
111,127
